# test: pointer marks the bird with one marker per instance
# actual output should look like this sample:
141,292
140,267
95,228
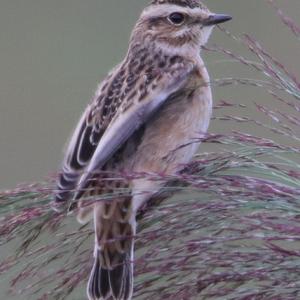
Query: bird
150,105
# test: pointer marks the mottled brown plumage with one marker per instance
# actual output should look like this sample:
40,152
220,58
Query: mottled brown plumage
155,101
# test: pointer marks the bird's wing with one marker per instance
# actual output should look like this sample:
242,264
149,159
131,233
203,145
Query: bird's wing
120,108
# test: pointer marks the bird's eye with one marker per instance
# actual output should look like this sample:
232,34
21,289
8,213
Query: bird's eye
176,18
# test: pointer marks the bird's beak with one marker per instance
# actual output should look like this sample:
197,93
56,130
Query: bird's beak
216,19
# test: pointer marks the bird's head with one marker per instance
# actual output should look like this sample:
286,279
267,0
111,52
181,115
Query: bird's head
176,24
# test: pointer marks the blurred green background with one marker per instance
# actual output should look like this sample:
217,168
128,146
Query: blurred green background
54,53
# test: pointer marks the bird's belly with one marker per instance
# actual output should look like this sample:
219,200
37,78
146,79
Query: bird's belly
169,138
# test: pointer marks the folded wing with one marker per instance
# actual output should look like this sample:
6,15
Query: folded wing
110,120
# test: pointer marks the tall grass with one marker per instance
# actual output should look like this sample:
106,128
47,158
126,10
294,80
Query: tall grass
230,232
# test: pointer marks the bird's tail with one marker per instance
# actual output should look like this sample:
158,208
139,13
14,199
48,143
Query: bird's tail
112,273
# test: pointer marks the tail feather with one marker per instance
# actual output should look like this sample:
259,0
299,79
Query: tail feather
116,282
98,285
112,273
120,279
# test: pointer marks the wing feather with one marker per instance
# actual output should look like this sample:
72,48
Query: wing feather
124,115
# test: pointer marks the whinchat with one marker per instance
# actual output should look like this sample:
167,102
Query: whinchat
150,105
